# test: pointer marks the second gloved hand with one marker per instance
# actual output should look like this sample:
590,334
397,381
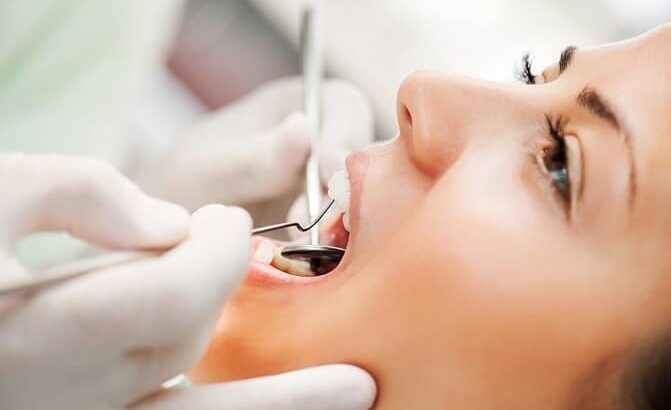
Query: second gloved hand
252,153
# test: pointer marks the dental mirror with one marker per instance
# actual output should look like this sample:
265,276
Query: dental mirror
322,258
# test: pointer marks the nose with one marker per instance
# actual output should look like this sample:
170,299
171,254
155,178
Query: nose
440,115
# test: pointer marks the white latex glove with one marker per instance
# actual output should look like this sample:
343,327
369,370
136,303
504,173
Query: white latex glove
108,339
253,152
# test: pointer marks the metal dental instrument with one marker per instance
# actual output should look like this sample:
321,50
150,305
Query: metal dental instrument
322,258
58,274
296,225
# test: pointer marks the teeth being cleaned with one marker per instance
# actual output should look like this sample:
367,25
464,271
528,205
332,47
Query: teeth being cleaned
339,190
269,254
264,252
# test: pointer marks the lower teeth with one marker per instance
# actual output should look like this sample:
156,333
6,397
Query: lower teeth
269,254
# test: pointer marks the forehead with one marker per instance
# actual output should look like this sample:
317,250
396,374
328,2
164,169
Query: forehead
635,76
660,38
641,64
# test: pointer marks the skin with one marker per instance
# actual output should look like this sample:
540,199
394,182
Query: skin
497,294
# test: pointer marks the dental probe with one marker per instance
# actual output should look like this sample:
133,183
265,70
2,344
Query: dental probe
322,258
71,270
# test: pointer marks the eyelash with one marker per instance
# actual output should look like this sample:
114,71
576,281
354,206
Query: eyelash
524,72
555,160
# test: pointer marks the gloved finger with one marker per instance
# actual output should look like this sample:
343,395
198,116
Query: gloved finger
347,125
12,271
87,198
264,166
274,163
331,387
259,110
148,368
347,117
164,300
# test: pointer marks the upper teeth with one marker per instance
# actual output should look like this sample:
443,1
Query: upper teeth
339,190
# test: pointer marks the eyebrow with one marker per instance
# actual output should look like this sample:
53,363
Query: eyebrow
593,102
566,58
590,99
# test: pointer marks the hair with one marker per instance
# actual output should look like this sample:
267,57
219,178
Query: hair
647,384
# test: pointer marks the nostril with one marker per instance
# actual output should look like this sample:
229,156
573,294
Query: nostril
407,116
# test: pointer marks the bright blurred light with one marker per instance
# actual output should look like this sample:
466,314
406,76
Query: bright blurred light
640,15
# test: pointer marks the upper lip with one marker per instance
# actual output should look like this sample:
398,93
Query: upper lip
356,165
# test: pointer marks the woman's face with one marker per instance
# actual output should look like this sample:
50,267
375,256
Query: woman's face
508,250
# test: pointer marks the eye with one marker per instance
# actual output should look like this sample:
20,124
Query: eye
562,164
555,160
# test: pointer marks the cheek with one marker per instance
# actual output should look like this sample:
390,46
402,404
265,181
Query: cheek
392,190
475,224
476,279
486,235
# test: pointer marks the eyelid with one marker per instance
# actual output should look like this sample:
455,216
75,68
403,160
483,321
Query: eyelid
575,170
550,73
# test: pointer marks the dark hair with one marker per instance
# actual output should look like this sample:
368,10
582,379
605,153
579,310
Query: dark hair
648,383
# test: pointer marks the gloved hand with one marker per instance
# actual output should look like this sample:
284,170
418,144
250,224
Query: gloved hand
107,340
252,153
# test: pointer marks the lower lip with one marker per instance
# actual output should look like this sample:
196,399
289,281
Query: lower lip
266,276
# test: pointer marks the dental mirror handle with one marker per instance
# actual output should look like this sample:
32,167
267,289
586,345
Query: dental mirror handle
312,76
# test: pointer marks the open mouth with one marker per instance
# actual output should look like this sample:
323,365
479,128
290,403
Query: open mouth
267,253
270,267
